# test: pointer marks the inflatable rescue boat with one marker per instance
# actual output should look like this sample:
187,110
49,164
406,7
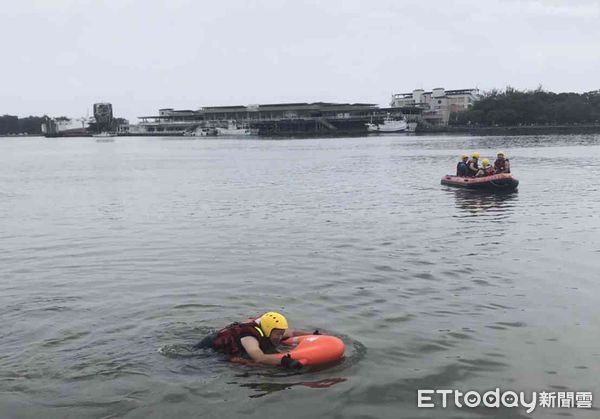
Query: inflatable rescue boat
499,182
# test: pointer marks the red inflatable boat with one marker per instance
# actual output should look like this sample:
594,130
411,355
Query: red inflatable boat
499,182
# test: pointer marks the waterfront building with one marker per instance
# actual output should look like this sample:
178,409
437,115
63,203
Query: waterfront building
438,104
265,119
66,127
103,115
279,119
102,121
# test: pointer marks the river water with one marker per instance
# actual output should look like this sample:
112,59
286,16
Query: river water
116,257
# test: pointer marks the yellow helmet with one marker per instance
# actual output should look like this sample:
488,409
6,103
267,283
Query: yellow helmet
501,153
475,155
272,320
465,156
485,162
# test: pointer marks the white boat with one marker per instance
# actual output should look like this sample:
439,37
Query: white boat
235,130
203,132
104,135
389,125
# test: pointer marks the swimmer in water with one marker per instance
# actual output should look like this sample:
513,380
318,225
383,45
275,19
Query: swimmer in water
256,338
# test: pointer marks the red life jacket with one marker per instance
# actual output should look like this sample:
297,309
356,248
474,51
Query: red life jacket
228,339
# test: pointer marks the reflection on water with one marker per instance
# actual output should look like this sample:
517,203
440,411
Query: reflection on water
493,204
268,388
207,360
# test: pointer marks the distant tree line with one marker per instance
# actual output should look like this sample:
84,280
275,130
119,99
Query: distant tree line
513,107
10,124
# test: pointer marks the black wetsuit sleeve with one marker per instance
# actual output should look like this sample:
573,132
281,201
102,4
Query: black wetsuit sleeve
207,342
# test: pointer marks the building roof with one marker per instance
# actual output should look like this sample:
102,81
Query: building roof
460,91
316,106
447,92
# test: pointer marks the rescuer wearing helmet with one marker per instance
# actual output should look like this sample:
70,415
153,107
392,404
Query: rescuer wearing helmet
256,338
461,168
473,164
501,165
486,169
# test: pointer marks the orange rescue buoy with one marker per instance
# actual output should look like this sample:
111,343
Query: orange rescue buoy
315,349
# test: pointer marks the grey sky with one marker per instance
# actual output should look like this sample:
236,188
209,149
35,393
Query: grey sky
61,56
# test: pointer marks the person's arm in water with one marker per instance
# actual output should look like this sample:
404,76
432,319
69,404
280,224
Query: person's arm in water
252,348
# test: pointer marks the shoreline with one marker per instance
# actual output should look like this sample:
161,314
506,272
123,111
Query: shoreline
514,130
474,131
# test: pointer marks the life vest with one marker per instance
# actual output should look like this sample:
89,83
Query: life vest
473,166
485,171
228,339
500,165
462,169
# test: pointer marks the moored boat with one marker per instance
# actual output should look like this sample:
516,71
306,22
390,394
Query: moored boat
389,125
236,130
499,182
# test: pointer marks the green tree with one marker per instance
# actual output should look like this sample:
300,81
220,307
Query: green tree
531,107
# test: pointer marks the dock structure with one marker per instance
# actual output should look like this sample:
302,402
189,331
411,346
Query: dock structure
285,119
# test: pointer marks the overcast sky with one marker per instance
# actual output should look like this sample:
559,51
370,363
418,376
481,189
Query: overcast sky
60,56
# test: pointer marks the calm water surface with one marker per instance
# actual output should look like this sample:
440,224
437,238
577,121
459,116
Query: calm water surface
116,257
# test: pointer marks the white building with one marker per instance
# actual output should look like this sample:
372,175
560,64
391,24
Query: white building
438,104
